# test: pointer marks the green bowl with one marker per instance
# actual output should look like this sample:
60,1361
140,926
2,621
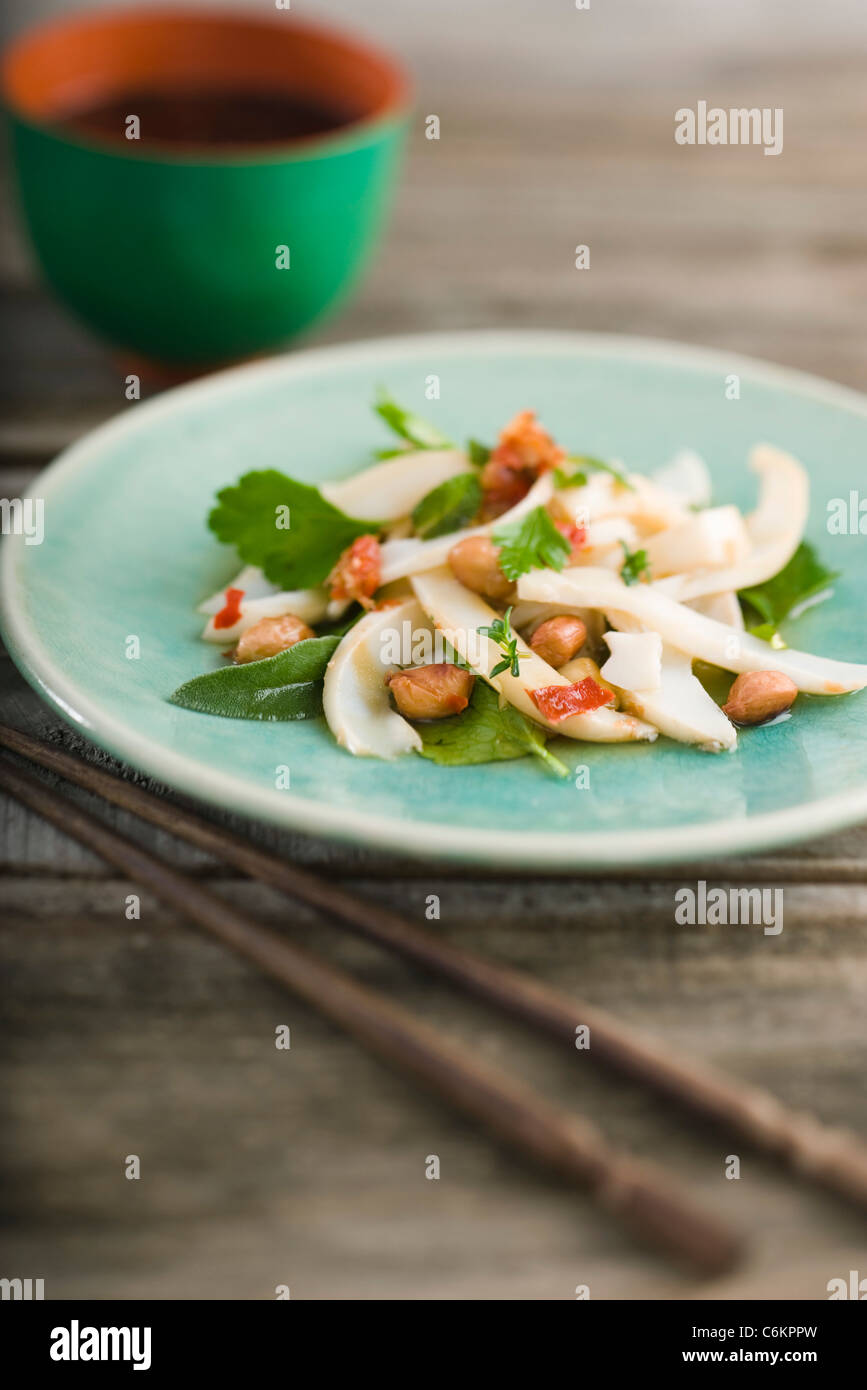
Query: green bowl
172,253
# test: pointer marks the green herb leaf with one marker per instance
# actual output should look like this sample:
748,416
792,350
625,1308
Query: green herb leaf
285,686
485,733
448,507
298,555
500,631
801,579
635,565
477,453
531,543
421,434
585,463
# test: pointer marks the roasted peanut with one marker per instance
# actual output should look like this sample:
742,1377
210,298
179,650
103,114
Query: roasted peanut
757,696
557,640
474,562
431,692
270,636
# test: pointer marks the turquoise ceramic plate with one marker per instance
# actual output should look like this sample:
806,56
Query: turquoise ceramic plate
126,553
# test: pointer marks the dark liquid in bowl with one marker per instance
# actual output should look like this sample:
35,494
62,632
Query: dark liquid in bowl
207,118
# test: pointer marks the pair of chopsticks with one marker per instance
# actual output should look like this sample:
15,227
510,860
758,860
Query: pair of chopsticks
637,1192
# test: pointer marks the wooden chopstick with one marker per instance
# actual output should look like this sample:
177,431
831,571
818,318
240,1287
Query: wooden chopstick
835,1159
635,1191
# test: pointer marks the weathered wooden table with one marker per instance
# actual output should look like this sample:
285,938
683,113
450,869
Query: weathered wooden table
263,1167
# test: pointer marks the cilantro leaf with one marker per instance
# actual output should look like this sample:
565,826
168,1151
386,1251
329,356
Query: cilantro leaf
485,733
802,578
448,507
500,631
531,543
285,686
421,434
299,555
635,565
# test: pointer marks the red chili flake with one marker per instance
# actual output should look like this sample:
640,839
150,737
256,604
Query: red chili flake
529,444
524,450
557,702
575,535
356,574
229,615
387,603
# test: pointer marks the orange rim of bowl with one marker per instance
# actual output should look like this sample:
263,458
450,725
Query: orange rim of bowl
63,65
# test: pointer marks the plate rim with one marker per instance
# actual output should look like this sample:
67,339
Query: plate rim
577,851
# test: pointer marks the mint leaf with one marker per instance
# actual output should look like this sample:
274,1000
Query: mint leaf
635,565
802,578
531,543
485,733
448,507
421,434
285,686
300,557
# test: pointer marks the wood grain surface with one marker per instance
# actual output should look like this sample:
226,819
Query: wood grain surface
306,1167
